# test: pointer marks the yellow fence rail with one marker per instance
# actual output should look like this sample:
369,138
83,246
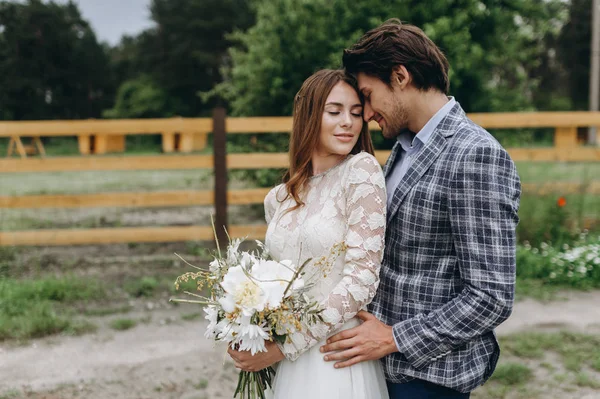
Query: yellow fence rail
175,131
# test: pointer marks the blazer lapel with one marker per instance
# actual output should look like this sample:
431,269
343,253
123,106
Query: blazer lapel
425,158
391,159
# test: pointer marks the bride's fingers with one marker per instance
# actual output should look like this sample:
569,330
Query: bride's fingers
234,355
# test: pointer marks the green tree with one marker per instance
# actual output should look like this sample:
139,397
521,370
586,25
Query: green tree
183,54
492,47
51,65
140,98
574,46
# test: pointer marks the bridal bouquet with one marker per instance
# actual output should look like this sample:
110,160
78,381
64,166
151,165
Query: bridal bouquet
250,299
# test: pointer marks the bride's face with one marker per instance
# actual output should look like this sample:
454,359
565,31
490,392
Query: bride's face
342,121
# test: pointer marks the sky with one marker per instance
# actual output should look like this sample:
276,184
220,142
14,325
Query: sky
112,19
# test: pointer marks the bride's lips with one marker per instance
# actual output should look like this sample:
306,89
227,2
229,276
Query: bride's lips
344,137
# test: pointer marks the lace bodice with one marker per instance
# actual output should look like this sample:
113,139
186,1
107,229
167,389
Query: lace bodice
347,204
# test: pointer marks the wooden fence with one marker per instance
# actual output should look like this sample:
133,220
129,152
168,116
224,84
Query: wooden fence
566,148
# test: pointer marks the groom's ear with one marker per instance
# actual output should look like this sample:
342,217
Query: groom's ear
400,77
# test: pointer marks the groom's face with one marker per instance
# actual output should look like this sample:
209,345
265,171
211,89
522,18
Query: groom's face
384,104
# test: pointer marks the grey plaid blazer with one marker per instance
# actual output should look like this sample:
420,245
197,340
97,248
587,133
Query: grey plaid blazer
448,271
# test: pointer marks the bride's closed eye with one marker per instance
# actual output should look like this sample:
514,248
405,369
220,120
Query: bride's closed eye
357,115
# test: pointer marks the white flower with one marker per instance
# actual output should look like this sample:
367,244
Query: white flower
214,266
247,260
232,251
274,277
211,315
227,331
254,289
251,337
241,292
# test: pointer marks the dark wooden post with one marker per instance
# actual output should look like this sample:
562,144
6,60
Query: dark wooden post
220,166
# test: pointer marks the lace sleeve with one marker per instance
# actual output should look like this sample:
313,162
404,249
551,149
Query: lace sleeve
270,203
365,202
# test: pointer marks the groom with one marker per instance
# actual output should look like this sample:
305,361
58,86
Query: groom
448,273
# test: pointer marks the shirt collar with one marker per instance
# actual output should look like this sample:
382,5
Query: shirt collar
408,140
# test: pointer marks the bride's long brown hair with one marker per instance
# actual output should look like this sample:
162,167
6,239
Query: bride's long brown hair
309,105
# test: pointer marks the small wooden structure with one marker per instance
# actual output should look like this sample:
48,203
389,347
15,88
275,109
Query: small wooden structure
15,143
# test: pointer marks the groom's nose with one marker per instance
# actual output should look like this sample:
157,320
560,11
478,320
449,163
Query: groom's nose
368,112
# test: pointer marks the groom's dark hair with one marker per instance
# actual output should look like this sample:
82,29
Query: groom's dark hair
393,43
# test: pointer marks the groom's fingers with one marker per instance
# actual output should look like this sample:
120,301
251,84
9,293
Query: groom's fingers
349,362
344,335
343,355
339,345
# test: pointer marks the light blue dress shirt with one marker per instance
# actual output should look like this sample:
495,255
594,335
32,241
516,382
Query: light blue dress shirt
410,147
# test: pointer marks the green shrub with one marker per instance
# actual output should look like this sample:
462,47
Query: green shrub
144,287
576,265
30,308
122,324
512,374
547,219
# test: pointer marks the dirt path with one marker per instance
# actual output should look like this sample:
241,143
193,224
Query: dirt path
574,311
159,359
169,358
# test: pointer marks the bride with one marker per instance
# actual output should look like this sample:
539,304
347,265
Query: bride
334,191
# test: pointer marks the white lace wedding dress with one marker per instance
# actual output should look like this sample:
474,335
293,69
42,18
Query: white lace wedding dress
344,204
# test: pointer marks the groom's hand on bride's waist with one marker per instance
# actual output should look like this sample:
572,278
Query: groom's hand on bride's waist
371,340
244,360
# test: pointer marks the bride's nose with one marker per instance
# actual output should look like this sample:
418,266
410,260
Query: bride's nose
346,120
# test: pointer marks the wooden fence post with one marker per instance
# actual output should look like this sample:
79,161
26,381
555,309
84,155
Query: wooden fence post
220,167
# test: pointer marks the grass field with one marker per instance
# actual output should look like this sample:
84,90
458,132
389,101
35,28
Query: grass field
540,365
